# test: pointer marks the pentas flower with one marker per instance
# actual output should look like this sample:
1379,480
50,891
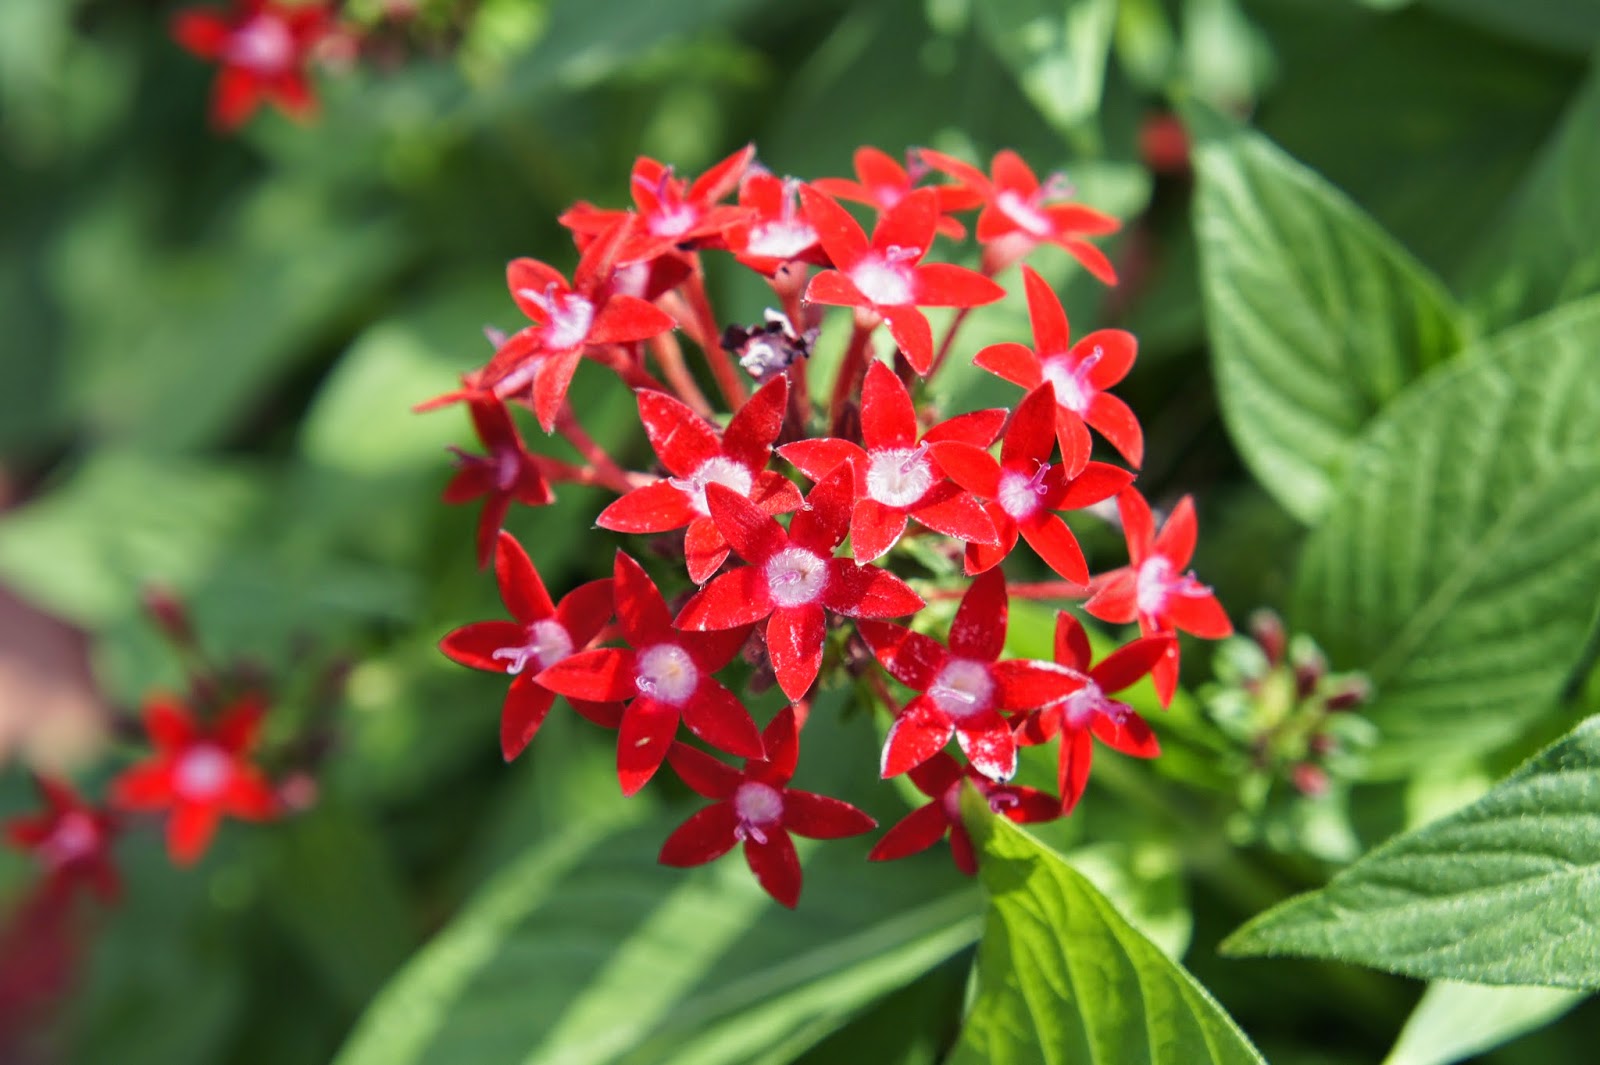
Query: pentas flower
1024,488
773,231
895,475
1080,373
886,277
1017,206
664,674
542,633
1153,588
963,689
793,578
263,48
756,807
71,839
199,774
881,183
507,473
672,212
696,454
1090,713
940,779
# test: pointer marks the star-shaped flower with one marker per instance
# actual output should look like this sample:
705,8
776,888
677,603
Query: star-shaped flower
1090,713
895,476
886,276
1080,373
199,774
881,183
665,674
508,473
773,231
940,778
696,454
756,807
262,47
793,578
1024,488
965,688
1153,588
70,838
672,211
541,634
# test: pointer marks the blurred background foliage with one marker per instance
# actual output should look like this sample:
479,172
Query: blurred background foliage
211,349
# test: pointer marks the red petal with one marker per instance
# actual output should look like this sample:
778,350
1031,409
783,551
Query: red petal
249,796
606,715
874,529
705,837
641,611
715,649
1123,667
935,777
521,589
964,172
919,830
910,657
474,645
490,519
1011,173
1077,753
1022,684
202,33
823,522
168,723
842,238
1130,734
888,418
909,223
868,592
585,610
1099,480
831,288
1031,437
681,438
1072,645
234,99
715,715
795,637
1177,537
749,530
1117,423
1165,676
921,731
820,457
981,557
986,740
1201,615
527,705
1051,333
961,850
776,866
775,493
978,427
1117,348
1076,218
1115,597
626,319
550,387
754,426
143,787
781,738
947,285
979,628
723,178
1049,536
189,832
739,597
652,508
821,817
969,466
911,331
704,549
239,725
1011,361
957,515
468,484
1137,524
1031,805
643,741
1093,259
704,774
878,169
604,675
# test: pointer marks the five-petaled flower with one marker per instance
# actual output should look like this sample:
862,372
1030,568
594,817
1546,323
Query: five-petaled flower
70,838
963,689
199,774
756,807
507,473
262,47
940,779
793,577
664,674
1080,373
542,633
773,232
696,455
895,476
881,183
885,277
1090,713
672,211
1024,488
1154,589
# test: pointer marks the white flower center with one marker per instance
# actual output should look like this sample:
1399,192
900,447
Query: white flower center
1073,390
781,240
666,674
264,45
886,196
1153,585
757,806
76,836
963,688
885,280
1032,220
202,773
1081,706
795,576
718,469
674,220
899,476
1021,496
548,643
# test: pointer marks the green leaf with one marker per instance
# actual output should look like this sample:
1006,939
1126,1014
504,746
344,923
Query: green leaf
1056,51
1454,1021
1317,318
1501,892
1063,978
1546,249
1458,567
1556,24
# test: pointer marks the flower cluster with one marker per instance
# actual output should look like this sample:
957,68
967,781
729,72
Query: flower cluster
768,495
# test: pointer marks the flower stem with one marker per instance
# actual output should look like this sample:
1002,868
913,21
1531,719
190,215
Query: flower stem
605,469
851,369
723,369
669,356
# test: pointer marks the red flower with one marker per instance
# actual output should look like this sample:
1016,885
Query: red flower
773,231
1090,711
884,277
1080,372
757,808
696,455
940,779
543,633
882,183
793,577
672,212
895,477
1154,590
666,676
199,774
263,47
509,472
1024,488
1015,205
71,839
964,689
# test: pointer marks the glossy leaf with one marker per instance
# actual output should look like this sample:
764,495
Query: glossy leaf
1454,1021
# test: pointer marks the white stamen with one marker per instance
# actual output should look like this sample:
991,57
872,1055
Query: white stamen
795,576
548,643
1024,213
899,477
757,806
1021,496
1073,390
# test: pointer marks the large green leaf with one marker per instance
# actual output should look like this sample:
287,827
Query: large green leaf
1063,978
1546,250
1558,24
1454,1021
1057,52
1459,566
1317,318
1501,892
